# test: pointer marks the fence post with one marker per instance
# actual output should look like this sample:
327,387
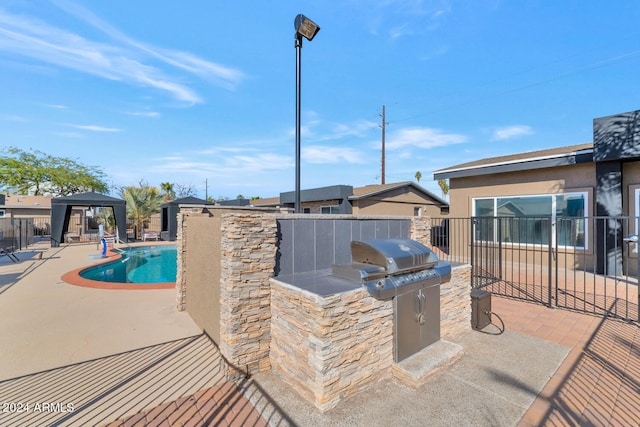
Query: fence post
472,222
552,227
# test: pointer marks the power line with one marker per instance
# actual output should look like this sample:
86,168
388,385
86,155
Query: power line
579,70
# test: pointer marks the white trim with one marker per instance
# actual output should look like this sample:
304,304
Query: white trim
516,161
554,196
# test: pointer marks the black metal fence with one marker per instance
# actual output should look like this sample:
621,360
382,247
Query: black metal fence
16,233
451,239
588,264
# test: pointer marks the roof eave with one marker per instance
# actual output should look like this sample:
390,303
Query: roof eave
582,156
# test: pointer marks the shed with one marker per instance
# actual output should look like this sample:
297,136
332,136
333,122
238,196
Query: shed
169,215
61,212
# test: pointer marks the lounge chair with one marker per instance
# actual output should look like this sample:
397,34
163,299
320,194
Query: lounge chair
149,235
9,253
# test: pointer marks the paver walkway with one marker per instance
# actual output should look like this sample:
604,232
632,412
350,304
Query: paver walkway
598,384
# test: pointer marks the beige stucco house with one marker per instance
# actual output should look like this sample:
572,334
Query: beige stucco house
401,198
590,192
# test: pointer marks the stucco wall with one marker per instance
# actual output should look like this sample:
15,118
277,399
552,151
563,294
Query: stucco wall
202,273
556,180
574,178
402,201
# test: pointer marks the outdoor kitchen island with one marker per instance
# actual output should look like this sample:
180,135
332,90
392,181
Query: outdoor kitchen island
331,338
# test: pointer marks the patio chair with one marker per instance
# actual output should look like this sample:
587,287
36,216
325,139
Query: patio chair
9,253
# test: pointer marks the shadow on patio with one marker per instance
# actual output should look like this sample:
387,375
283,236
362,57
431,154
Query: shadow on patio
602,385
183,380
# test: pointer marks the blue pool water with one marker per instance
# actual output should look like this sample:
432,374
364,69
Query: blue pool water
144,264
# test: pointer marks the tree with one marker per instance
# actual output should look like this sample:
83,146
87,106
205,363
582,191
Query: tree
169,194
418,176
106,218
444,186
142,202
36,173
184,191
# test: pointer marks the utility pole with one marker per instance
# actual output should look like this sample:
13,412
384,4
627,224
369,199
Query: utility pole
383,126
206,189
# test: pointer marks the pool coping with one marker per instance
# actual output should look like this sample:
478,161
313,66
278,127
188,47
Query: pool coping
73,278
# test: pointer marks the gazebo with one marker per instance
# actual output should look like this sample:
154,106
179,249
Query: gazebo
169,215
61,212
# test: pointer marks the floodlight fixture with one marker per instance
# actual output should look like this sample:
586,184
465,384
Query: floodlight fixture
305,27
308,29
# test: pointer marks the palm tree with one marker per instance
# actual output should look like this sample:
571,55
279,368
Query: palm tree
444,186
418,176
142,202
169,193
106,218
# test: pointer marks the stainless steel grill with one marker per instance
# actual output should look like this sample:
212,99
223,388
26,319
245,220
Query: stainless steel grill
409,273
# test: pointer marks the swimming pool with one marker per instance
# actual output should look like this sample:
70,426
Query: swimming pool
145,264
137,265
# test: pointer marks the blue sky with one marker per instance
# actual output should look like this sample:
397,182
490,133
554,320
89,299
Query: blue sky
204,90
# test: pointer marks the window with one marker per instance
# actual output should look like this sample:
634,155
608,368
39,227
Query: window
306,210
529,219
2,213
330,209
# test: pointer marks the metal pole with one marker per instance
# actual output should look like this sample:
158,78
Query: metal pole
550,249
298,77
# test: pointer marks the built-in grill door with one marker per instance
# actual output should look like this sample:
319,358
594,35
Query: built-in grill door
417,322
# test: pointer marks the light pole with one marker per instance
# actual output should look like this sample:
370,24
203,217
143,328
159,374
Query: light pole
306,28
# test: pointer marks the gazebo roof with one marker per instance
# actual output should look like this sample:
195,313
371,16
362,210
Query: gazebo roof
90,198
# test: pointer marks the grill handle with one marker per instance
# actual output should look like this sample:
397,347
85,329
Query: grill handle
420,300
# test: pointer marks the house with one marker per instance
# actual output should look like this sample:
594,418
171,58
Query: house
575,183
400,198
16,206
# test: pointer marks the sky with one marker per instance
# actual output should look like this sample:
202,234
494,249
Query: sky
202,93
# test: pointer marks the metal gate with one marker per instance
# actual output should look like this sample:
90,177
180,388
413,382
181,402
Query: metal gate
585,264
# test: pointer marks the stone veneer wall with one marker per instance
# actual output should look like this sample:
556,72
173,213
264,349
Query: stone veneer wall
248,254
421,229
319,345
455,303
329,348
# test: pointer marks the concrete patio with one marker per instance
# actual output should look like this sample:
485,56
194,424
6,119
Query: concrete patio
124,358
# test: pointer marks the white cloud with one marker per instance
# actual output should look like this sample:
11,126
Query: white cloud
152,114
509,132
96,128
223,163
123,59
315,129
324,154
359,128
12,118
422,138
400,18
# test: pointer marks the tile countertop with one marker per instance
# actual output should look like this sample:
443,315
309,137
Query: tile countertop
319,282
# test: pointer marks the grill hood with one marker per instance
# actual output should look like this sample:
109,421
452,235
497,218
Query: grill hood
395,255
